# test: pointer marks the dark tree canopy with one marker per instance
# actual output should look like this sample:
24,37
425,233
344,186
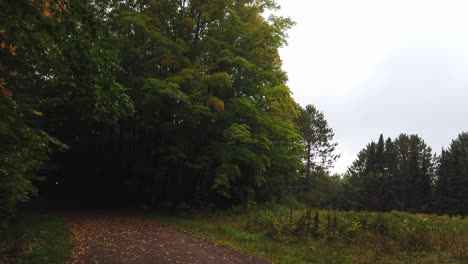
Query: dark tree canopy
451,190
393,175
158,102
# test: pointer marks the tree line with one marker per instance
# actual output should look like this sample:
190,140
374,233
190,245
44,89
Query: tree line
400,174
390,174
183,103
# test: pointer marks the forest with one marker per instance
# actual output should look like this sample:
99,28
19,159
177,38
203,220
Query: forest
183,105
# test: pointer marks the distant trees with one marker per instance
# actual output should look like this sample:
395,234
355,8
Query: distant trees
403,174
451,185
393,175
317,141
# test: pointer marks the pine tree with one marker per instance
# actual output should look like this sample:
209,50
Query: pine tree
415,173
451,191
393,175
317,140
391,188
380,156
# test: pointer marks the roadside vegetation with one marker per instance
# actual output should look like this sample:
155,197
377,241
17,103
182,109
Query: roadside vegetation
289,234
36,239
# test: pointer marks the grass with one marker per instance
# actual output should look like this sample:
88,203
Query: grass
386,238
37,239
281,234
231,235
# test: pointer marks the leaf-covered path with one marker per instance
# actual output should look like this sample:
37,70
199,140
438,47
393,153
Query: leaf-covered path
103,238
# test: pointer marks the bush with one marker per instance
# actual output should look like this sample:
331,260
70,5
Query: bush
386,232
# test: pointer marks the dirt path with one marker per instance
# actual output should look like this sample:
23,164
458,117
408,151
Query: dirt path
126,239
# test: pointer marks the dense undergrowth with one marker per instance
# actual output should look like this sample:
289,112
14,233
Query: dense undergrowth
36,239
303,235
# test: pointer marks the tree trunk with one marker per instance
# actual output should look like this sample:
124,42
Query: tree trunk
308,166
196,38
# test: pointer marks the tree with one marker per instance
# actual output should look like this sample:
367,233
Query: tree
395,175
451,190
213,119
160,102
317,140
59,72
414,173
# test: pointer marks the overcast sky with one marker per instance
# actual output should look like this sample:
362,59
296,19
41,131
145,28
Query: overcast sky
377,66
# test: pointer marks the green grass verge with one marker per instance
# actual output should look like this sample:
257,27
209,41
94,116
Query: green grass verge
38,239
229,230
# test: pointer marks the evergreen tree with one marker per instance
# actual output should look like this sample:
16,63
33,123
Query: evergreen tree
380,156
390,185
451,191
317,140
415,173
393,175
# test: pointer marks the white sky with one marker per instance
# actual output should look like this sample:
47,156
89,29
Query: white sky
380,67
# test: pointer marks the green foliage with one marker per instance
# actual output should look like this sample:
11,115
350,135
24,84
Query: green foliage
161,102
60,68
317,140
395,175
183,102
451,190
24,149
225,174
38,238
238,133
293,234
325,191
395,231
210,103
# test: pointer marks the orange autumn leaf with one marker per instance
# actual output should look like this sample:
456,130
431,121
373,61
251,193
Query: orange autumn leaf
45,9
12,50
219,106
216,104
48,9
6,93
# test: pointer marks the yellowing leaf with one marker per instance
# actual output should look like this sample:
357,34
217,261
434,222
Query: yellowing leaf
37,113
216,104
